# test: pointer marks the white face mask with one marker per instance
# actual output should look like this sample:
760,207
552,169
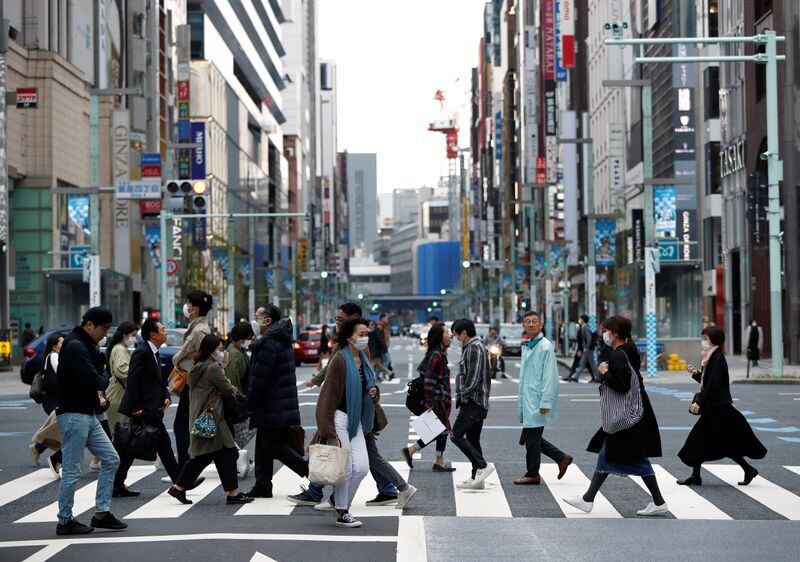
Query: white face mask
186,308
705,344
361,343
607,338
102,342
220,356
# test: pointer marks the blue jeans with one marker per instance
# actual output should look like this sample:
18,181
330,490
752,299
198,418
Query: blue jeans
384,486
80,432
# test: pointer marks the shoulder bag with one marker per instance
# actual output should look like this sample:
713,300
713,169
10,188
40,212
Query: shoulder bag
415,396
234,409
177,380
621,410
205,425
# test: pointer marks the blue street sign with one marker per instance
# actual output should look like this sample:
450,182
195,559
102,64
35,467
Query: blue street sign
76,256
151,159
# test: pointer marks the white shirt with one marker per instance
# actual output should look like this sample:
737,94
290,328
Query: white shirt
54,360
153,347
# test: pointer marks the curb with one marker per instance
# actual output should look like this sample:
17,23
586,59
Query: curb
793,380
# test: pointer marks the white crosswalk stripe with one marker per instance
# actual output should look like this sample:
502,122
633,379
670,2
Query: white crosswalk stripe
493,501
771,495
683,502
84,498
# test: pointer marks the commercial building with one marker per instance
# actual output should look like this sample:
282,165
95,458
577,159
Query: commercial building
405,206
362,201
401,258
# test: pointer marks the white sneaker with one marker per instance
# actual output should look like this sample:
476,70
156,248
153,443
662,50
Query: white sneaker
94,466
325,505
579,503
166,480
242,462
653,509
403,497
158,464
470,484
483,473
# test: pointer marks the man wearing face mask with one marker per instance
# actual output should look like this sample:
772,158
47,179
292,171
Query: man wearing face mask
195,309
272,399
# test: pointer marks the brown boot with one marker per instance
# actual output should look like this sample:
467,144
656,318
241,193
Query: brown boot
528,481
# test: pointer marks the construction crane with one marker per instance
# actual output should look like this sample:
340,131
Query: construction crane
446,126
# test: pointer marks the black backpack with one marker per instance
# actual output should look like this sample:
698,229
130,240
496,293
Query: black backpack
415,396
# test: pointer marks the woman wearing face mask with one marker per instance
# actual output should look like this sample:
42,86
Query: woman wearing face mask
238,372
118,357
436,377
625,452
345,411
722,431
207,385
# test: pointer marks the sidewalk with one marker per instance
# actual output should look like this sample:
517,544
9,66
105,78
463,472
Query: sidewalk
737,369
11,385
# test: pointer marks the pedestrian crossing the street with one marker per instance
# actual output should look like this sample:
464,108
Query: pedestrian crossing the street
496,499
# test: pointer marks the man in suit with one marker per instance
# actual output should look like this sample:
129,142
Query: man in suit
584,356
146,397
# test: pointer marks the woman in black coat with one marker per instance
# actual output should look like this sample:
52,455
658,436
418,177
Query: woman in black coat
722,431
624,452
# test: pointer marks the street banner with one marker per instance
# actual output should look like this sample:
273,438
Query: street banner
561,72
665,209
637,223
549,39
604,242
199,154
567,32
78,209
616,156
540,265
152,236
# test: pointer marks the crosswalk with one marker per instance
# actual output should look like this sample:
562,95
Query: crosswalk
495,500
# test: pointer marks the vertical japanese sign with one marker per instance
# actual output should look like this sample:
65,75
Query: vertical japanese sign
567,32
549,65
561,72
616,157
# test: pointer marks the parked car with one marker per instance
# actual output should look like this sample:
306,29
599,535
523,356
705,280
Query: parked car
34,354
512,336
306,347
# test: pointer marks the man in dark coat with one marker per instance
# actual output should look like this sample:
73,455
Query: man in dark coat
272,399
80,377
147,397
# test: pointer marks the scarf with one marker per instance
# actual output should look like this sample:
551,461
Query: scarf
707,353
532,344
360,408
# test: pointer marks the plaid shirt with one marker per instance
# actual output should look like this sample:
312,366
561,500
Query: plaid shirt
473,379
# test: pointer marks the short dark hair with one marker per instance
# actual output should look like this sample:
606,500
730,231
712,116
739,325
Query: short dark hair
242,331
464,325
351,309
208,346
201,300
618,325
433,319
149,327
584,318
271,311
384,315
348,328
27,324
716,335
99,316
532,313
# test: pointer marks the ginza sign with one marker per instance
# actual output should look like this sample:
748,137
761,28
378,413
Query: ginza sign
731,158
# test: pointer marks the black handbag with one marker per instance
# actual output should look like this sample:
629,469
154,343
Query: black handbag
37,391
415,396
136,439
234,409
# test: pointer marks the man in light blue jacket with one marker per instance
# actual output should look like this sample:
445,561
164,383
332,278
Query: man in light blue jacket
538,400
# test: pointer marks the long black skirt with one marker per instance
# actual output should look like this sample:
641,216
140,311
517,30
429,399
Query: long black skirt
722,431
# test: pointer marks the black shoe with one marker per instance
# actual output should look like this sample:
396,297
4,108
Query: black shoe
407,455
304,498
73,527
259,492
108,522
691,481
503,376
124,492
446,468
197,482
179,495
383,499
748,476
242,499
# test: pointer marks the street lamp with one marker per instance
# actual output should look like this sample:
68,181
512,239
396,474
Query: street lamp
465,264
323,275
360,296
443,292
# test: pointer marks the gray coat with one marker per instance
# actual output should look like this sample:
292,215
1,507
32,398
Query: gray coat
207,378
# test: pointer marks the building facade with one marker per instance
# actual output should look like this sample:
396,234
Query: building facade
362,201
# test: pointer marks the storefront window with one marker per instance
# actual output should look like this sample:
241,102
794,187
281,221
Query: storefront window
678,302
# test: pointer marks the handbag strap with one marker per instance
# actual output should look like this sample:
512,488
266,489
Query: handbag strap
212,396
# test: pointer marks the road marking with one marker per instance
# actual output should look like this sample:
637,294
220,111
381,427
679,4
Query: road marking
795,469
683,502
411,543
574,483
15,489
790,439
258,557
284,483
489,502
392,381
788,393
760,489
84,498
584,400
368,489
790,429
761,420
165,506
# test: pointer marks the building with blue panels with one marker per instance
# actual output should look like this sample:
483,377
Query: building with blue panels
438,267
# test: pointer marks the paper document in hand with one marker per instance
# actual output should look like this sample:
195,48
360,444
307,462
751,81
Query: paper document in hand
427,426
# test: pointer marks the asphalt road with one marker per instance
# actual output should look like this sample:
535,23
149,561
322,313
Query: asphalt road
501,522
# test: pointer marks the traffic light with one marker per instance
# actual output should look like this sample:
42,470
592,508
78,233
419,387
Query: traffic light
175,194
757,205
200,194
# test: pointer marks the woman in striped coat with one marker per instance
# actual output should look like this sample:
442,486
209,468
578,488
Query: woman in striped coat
625,452
436,381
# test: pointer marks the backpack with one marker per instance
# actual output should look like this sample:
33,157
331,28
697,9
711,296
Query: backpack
415,396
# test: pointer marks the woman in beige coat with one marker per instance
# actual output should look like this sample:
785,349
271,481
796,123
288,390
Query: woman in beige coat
207,386
119,358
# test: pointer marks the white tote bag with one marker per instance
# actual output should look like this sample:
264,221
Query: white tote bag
327,464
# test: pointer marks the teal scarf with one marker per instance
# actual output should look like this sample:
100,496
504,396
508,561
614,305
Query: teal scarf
359,406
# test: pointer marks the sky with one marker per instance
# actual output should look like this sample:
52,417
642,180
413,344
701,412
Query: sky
391,57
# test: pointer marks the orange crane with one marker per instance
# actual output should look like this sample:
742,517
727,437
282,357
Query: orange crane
447,126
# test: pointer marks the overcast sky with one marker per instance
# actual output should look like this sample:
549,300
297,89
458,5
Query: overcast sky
391,58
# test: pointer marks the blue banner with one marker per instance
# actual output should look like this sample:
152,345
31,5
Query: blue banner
199,154
152,236
561,72
78,208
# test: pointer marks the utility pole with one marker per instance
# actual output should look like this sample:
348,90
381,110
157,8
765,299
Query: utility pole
5,238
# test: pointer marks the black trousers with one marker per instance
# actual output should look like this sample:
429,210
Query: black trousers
271,445
535,446
164,450
181,427
466,433
225,461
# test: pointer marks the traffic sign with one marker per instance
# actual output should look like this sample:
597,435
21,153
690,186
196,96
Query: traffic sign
27,98
138,189
172,267
76,255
